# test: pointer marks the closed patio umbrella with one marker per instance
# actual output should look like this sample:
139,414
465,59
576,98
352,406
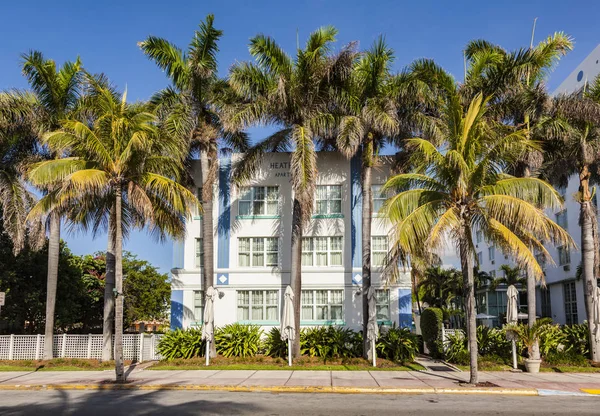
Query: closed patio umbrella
512,315
288,323
372,328
596,314
208,325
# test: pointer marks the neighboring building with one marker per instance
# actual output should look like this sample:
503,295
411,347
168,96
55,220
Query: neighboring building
252,250
562,299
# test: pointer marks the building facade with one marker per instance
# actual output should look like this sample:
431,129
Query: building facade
252,250
562,298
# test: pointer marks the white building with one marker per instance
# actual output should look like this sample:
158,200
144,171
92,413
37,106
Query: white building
563,297
252,250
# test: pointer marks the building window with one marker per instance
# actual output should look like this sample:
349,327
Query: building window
480,257
492,253
546,304
258,305
382,298
329,199
570,303
258,251
259,200
479,236
561,219
199,253
564,255
322,251
541,260
322,305
198,306
493,274
562,191
379,197
379,250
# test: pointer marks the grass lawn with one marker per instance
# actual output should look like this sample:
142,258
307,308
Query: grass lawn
268,363
58,364
568,369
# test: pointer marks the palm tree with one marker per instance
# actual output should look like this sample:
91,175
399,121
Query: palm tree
438,286
123,167
296,95
54,97
573,123
512,276
460,185
192,109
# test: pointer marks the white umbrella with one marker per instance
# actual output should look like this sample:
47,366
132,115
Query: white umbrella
208,326
512,315
372,328
288,323
596,314
484,316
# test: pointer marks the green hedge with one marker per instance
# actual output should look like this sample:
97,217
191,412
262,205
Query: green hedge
398,345
431,327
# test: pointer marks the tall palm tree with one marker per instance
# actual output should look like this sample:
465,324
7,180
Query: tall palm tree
192,109
461,185
295,94
438,286
574,124
54,96
121,166
512,276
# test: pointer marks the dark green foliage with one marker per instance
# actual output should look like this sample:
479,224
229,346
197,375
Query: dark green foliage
431,327
493,341
238,340
456,349
566,358
274,345
331,342
182,344
398,345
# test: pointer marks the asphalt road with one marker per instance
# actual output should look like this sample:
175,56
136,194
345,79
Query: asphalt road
182,403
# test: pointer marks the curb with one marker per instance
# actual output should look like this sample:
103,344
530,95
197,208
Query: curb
280,389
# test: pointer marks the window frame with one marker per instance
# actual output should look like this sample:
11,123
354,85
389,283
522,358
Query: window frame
570,303
264,306
329,250
198,307
377,198
199,254
562,219
379,304
328,201
373,250
266,200
328,306
492,253
567,255
265,252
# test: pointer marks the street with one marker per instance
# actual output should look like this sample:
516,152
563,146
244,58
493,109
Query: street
181,403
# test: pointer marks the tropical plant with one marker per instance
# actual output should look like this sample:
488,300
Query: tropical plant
511,276
529,336
331,342
274,345
54,96
122,170
191,109
573,124
296,96
398,345
493,342
238,340
432,320
455,348
462,186
438,286
182,343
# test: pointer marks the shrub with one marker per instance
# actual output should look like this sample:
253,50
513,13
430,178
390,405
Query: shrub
398,345
181,343
566,358
577,339
274,345
431,326
493,342
331,342
456,349
238,340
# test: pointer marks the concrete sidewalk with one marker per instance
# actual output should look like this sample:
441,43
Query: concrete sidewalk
310,381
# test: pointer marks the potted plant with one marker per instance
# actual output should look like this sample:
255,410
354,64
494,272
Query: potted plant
529,337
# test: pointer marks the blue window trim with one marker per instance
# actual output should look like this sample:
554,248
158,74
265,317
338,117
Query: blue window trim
384,322
258,322
313,323
257,217
328,216
197,217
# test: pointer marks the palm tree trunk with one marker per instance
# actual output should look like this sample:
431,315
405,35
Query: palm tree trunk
207,165
367,209
531,300
53,255
588,260
466,261
296,270
108,324
119,365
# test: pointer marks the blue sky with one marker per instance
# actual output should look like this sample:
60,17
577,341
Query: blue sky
105,33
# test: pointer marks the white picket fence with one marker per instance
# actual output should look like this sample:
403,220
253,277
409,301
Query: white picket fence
138,347
449,331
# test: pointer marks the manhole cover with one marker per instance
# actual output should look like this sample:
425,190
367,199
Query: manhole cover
440,368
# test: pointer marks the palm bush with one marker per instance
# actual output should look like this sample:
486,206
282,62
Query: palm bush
456,350
274,345
331,342
181,343
238,340
493,342
398,345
